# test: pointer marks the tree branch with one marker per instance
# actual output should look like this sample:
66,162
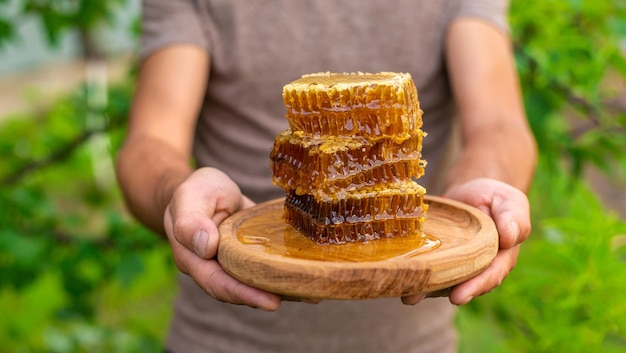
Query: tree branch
589,109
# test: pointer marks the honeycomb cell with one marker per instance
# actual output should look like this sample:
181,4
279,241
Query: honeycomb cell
382,105
304,183
314,164
384,210
349,160
324,234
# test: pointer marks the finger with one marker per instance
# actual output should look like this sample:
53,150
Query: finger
413,299
210,276
187,220
511,214
199,205
486,281
221,214
221,286
175,244
246,202
192,229
206,240
507,205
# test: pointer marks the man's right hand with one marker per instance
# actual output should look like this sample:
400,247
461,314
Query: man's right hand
191,222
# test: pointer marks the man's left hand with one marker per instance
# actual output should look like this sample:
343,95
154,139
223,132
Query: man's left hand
509,208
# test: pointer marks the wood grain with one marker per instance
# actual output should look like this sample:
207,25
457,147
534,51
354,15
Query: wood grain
383,268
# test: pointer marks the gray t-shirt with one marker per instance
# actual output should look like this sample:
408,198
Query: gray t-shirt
257,46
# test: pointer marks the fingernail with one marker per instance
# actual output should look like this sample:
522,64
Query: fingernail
466,300
414,299
200,240
270,303
515,230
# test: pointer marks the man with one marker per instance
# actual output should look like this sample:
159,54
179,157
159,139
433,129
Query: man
209,89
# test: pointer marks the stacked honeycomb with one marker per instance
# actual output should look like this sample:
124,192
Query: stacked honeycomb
349,158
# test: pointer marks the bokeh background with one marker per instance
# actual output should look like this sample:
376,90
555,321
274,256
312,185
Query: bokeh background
78,274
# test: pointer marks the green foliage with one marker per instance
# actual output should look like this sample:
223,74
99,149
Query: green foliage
77,274
566,51
60,16
7,31
566,294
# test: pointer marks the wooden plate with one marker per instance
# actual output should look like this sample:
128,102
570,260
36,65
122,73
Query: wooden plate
258,248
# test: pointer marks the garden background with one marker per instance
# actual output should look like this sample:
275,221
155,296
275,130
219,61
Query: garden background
78,274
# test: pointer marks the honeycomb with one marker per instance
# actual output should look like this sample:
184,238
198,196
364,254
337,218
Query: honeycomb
312,164
350,157
351,232
372,203
383,105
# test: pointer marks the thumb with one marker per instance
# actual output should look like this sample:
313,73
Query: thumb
507,205
511,213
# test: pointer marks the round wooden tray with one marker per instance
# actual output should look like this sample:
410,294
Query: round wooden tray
258,248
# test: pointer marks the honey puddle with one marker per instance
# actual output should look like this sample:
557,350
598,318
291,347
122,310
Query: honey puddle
268,232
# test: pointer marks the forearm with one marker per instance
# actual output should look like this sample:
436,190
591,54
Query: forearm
149,172
496,140
155,157
505,152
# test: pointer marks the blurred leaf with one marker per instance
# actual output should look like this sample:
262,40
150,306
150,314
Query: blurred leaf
7,33
566,291
26,314
562,64
129,268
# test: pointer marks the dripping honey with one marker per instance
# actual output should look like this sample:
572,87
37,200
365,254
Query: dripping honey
350,157
307,164
268,233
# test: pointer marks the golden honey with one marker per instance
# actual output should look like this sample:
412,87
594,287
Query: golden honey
370,213
312,164
382,105
349,160
262,232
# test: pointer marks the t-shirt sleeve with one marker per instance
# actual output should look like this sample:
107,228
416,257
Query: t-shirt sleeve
492,11
168,22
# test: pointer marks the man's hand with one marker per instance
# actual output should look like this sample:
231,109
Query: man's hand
510,211
191,221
